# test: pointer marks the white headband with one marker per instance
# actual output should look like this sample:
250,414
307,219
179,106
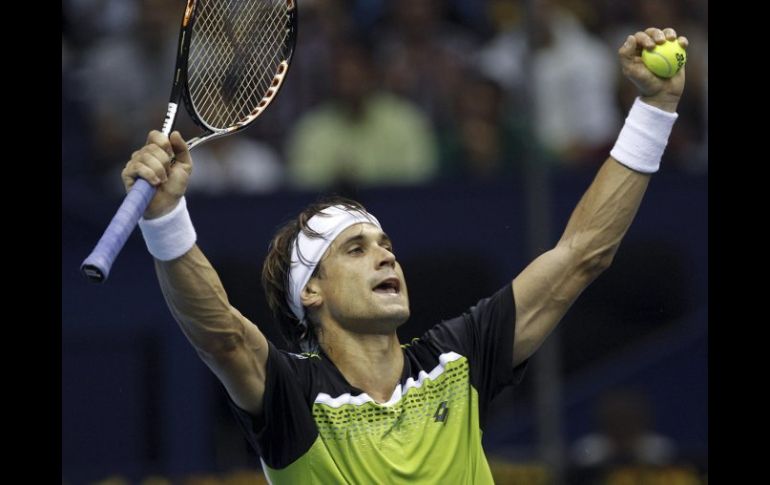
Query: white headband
306,252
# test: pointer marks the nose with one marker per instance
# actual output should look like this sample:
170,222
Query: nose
386,258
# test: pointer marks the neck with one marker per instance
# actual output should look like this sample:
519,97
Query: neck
372,363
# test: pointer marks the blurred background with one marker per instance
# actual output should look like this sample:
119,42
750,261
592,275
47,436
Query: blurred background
470,128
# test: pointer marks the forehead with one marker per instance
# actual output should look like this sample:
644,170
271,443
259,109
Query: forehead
363,229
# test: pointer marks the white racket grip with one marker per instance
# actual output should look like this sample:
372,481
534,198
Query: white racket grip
170,115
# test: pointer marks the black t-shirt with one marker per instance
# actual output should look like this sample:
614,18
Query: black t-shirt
318,428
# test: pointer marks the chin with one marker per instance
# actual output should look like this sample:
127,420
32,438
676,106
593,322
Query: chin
401,317
397,308
390,319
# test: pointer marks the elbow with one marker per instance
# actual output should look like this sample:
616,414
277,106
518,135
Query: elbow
219,349
587,255
216,336
223,344
593,264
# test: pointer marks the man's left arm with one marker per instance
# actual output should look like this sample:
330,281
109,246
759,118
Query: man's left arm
548,286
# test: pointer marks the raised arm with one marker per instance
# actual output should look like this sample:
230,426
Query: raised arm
233,347
549,285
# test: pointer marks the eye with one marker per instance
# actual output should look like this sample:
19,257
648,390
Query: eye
355,250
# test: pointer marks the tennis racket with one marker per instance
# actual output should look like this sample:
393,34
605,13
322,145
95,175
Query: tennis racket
232,59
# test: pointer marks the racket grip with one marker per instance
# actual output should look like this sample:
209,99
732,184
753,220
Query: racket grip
96,267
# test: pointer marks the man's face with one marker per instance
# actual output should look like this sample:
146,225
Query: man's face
361,284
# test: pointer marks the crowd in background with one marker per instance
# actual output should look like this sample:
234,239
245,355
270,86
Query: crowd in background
383,93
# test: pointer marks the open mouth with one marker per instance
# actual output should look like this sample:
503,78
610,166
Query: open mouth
389,286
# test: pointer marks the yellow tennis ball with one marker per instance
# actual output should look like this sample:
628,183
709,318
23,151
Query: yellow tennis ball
665,60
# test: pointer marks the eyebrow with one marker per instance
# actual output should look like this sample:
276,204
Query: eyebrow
360,237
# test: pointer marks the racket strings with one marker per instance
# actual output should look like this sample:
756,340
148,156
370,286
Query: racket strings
235,52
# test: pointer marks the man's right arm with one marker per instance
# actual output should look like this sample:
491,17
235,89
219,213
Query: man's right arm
233,348
231,345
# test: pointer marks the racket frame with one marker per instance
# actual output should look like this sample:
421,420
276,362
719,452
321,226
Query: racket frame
96,267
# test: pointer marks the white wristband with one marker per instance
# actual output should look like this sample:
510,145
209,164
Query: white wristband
643,138
170,235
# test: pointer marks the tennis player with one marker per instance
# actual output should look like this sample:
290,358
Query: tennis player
358,406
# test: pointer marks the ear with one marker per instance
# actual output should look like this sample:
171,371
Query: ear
311,295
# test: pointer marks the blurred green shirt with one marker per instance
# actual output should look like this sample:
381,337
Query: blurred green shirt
392,143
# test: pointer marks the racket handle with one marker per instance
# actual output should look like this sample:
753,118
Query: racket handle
96,267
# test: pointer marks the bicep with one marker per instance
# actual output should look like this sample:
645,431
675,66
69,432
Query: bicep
543,293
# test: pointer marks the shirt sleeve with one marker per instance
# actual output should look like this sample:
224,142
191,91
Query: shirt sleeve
285,430
484,335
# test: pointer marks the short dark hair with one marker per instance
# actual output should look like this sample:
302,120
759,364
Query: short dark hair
275,271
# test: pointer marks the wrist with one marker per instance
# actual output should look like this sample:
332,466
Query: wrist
665,102
170,235
644,137
152,213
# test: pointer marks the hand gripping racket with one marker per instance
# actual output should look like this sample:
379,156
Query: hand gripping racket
232,59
